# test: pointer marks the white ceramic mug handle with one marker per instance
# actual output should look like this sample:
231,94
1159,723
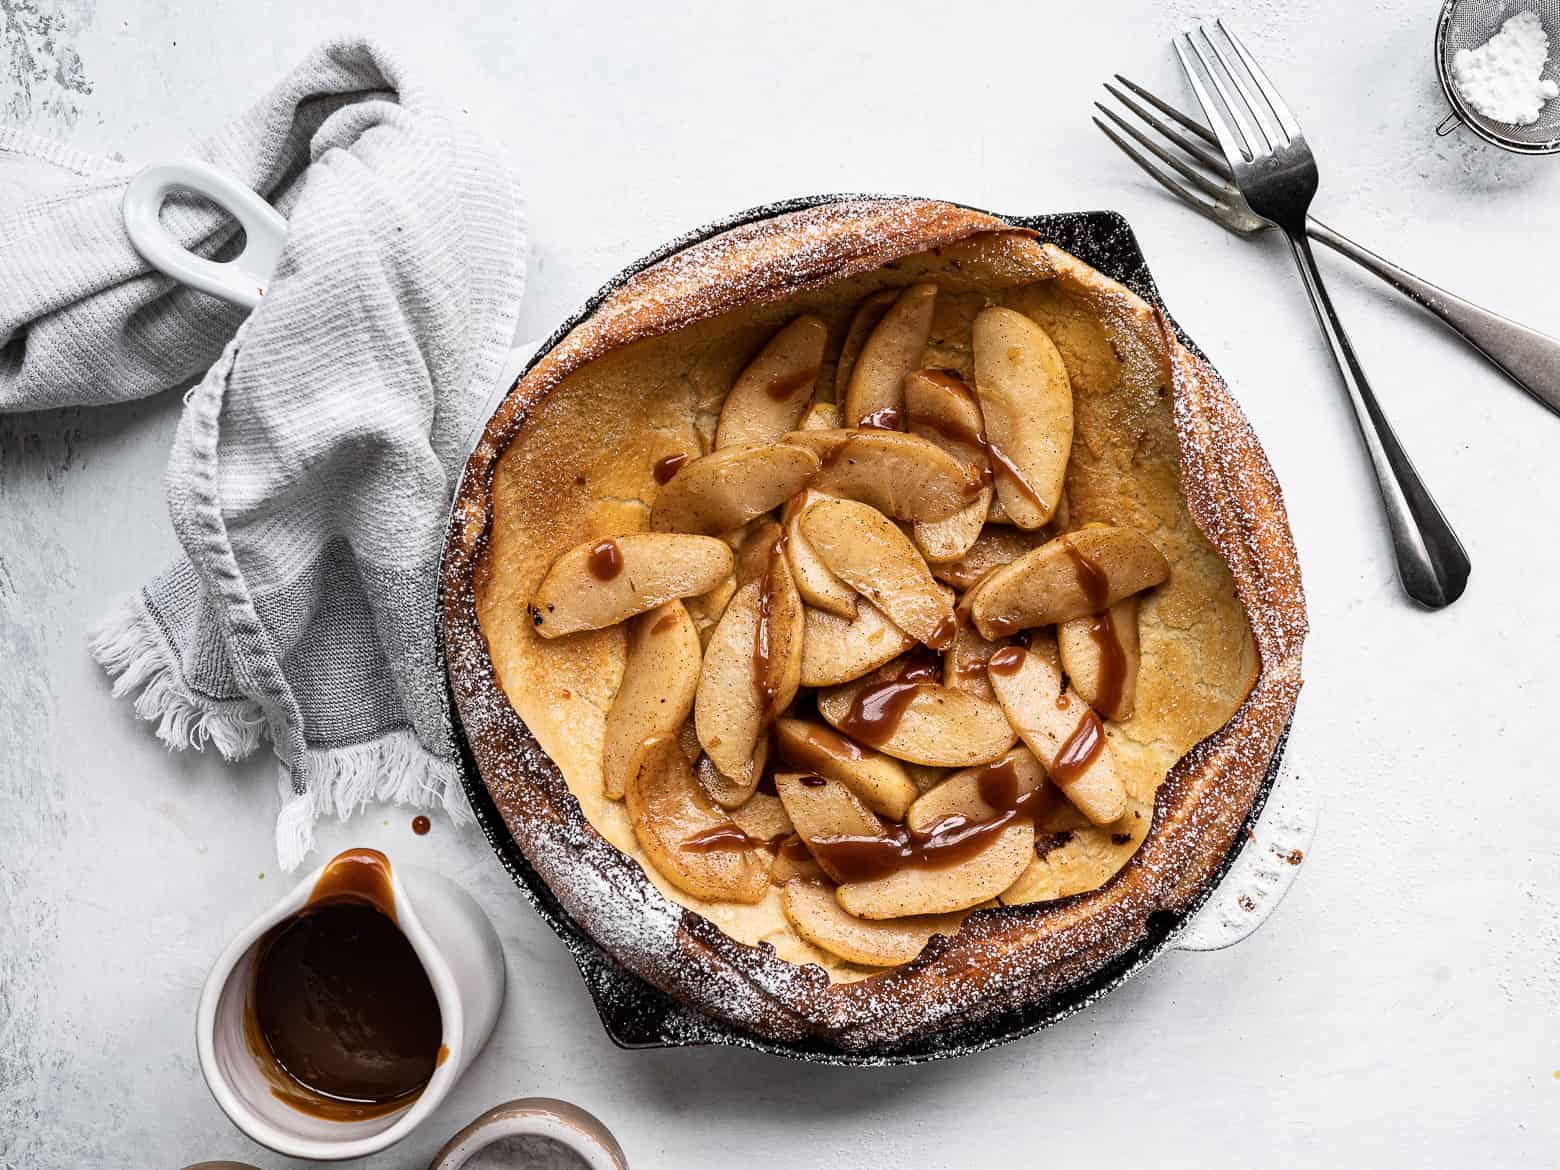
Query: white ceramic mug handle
241,280
1266,868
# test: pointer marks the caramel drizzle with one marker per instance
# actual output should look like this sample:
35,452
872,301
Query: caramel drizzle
667,466
1082,748
1006,661
766,672
951,840
606,560
1113,656
955,433
876,710
1113,660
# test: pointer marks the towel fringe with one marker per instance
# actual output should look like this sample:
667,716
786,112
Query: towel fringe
393,769
130,648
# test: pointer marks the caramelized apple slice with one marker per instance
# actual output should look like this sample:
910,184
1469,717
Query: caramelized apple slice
756,547
916,890
763,817
942,409
723,790
925,777
824,809
669,809
1080,573
706,608
938,725
1060,728
1100,655
818,918
904,476
865,319
1026,401
964,662
880,781
603,582
771,394
838,650
993,548
961,794
874,396
820,416
794,862
660,676
871,555
738,690
815,581
727,488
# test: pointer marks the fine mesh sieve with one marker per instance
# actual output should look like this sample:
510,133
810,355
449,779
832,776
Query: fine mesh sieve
1467,24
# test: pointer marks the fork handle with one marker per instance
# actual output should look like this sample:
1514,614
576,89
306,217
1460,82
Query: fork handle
1529,358
1431,562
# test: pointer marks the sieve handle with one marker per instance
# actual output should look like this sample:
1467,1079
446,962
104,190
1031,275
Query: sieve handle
1529,358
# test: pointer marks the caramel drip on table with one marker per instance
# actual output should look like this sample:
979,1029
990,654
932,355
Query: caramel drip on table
606,560
875,712
782,388
1082,748
667,466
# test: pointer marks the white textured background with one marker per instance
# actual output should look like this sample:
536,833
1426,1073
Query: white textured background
1402,1008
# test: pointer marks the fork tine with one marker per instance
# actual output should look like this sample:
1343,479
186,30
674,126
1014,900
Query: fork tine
1211,159
1188,172
1225,130
1160,177
1269,92
1239,111
1254,104
1168,110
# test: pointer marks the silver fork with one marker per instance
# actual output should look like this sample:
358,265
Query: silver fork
1272,165
1529,358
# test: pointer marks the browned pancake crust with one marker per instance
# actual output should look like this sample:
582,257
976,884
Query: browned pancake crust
1001,959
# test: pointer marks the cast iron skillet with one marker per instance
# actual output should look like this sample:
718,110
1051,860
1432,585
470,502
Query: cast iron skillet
638,1015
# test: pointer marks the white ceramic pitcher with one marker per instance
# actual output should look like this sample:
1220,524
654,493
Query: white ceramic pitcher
458,949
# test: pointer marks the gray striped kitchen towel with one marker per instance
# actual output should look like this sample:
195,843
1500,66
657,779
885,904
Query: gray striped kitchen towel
315,459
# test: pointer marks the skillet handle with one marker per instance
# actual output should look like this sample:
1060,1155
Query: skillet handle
1265,869
241,280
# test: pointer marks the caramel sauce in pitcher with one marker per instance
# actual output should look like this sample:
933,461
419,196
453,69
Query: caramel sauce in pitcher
341,1016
